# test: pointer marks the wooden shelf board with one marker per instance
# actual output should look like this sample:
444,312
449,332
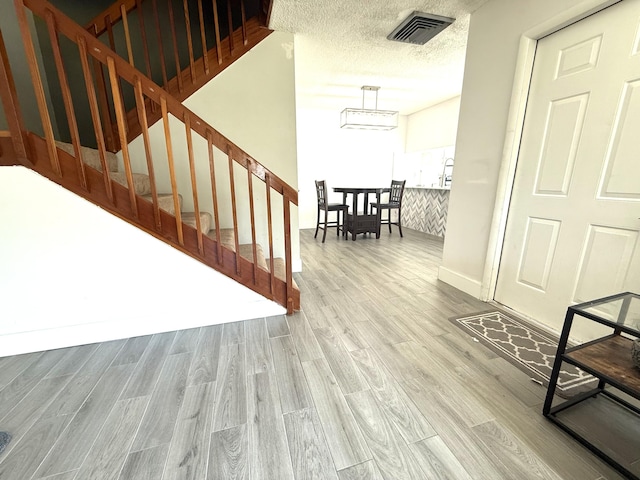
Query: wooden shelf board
612,358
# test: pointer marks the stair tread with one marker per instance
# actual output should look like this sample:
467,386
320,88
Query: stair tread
227,238
205,220
90,156
246,251
165,201
141,182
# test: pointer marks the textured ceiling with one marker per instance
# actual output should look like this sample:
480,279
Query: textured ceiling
342,45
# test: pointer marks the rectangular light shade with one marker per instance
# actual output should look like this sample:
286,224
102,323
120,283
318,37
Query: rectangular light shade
368,119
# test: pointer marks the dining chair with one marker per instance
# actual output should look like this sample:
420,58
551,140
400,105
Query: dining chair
394,203
324,206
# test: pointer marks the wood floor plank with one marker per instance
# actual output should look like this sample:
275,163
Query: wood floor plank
513,455
160,418
258,350
344,438
62,476
145,376
103,357
185,341
73,395
23,383
11,367
408,421
145,464
233,333
268,454
340,319
442,382
231,387
109,452
277,326
33,448
133,350
378,315
25,414
390,355
308,448
363,471
303,337
393,458
204,366
340,362
292,384
73,360
437,461
74,444
453,431
228,454
188,453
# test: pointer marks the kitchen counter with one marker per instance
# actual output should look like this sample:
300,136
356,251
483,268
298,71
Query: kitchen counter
425,209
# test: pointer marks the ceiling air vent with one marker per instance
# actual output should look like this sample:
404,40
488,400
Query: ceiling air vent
418,28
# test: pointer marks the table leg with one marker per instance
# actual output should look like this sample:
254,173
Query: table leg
354,225
378,219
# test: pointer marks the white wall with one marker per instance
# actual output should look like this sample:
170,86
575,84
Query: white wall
492,54
71,273
342,157
433,127
430,142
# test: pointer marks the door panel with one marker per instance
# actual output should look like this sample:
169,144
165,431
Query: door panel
621,179
560,144
573,230
604,263
580,57
538,251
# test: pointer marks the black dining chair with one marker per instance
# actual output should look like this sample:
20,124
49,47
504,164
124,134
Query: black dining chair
324,206
394,203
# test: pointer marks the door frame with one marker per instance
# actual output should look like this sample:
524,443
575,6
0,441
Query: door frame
514,130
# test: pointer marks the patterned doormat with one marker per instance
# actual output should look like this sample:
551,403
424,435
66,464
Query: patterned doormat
527,347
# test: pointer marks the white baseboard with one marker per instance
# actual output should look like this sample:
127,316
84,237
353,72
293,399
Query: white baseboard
81,334
466,284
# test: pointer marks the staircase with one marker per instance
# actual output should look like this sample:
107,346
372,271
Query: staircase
162,191
204,38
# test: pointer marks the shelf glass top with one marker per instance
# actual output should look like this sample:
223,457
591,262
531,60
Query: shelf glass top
622,310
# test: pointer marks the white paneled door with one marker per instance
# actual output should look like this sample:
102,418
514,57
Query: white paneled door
573,228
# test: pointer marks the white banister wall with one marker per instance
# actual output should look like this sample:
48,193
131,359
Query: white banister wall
72,274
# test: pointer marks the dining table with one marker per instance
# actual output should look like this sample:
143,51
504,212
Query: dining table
361,221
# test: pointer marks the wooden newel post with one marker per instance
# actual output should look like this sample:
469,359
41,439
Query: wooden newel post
287,252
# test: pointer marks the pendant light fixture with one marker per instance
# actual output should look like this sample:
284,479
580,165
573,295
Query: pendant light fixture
366,118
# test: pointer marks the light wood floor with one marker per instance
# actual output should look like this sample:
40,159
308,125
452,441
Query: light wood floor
369,381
